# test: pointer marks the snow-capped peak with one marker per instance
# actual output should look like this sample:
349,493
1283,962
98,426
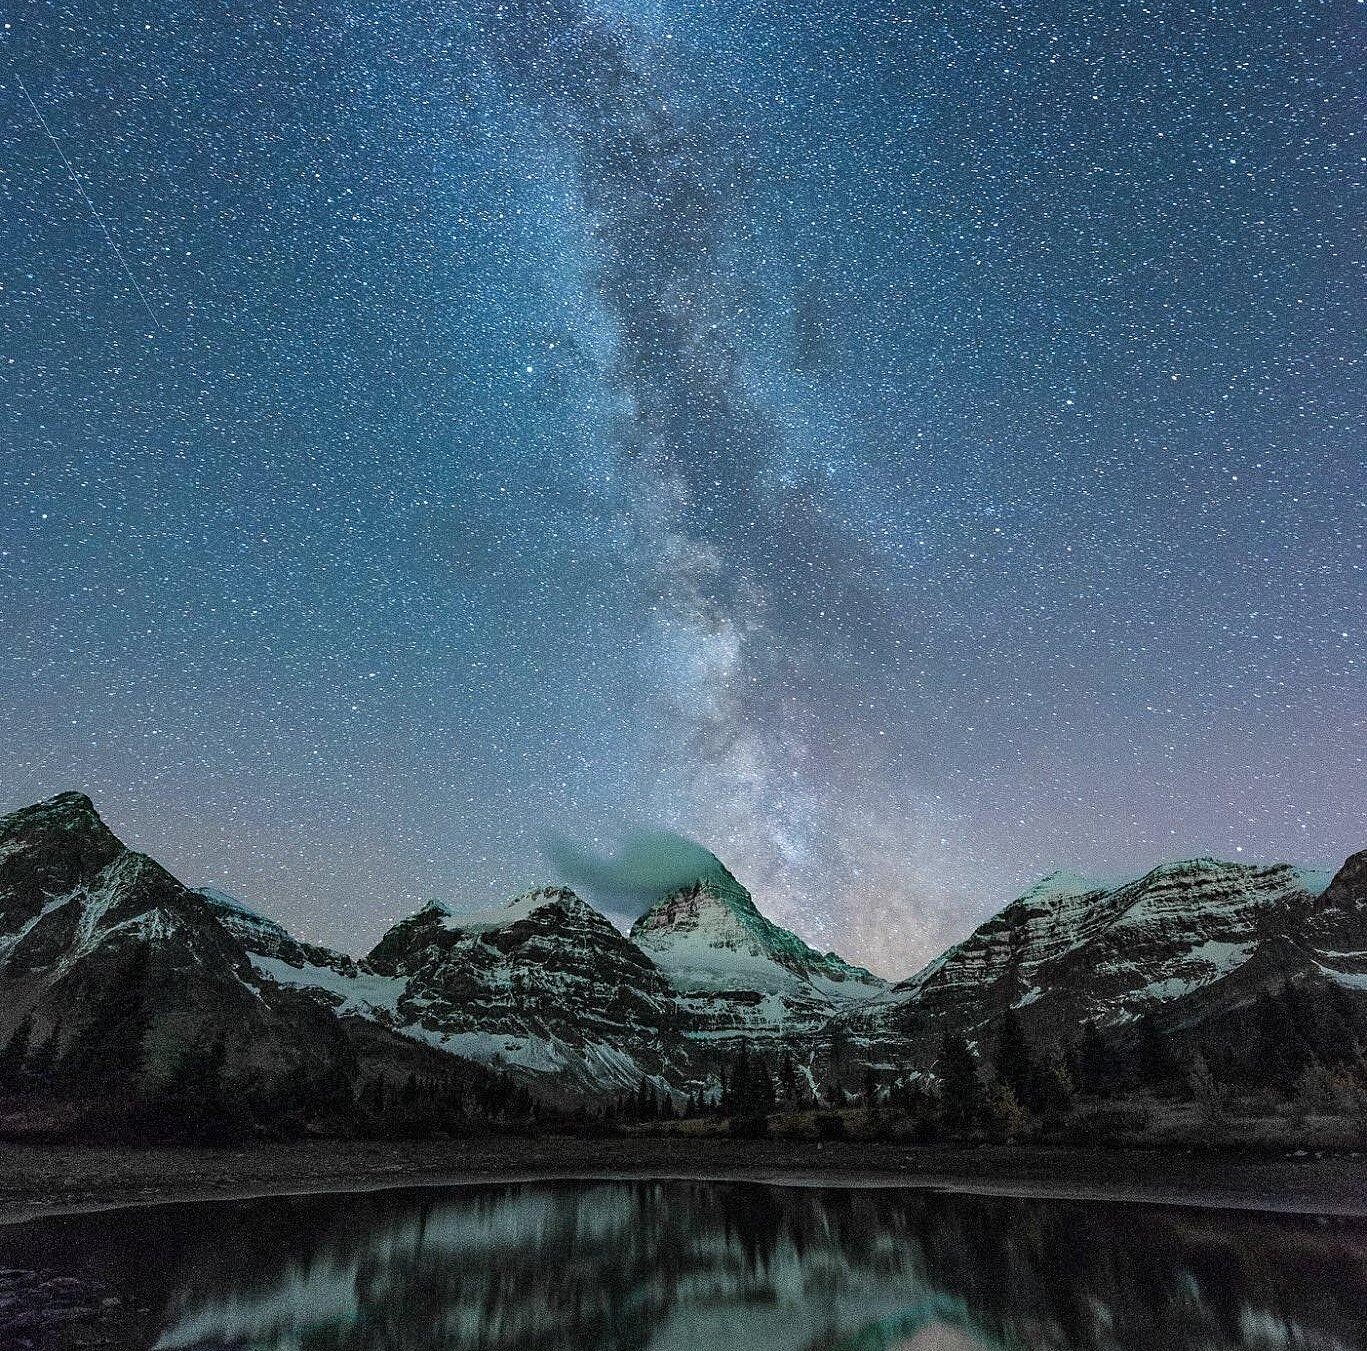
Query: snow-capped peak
519,908
710,936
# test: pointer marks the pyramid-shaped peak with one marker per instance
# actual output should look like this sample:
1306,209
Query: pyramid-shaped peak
60,841
717,901
716,888
65,811
711,935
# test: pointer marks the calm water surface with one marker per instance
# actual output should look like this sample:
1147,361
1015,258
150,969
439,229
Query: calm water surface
685,1266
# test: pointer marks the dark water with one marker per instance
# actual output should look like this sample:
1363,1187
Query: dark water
685,1266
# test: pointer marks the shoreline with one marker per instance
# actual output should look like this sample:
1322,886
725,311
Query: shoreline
43,1181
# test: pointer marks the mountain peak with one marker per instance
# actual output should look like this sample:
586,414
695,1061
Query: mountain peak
244,921
437,922
710,935
55,845
552,896
65,811
1067,884
1070,885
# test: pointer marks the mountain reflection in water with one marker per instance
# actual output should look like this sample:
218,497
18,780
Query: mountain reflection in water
688,1266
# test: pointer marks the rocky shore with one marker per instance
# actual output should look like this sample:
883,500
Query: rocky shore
53,1179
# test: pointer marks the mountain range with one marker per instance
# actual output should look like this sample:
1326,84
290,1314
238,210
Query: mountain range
114,967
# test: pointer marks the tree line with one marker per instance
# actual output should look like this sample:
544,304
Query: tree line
1299,1047
1294,1048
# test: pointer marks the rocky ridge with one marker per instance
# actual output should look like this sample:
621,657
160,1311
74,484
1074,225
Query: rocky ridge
547,990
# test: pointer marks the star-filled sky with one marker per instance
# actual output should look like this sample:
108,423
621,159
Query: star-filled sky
905,447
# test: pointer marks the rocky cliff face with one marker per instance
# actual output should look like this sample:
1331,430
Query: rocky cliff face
549,990
544,986
118,968
1336,927
1072,949
740,979
118,974
1180,942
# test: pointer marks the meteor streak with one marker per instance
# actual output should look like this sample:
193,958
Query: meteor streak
90,206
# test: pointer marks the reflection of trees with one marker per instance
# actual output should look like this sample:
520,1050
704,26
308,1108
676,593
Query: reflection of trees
605,1266
1050,1274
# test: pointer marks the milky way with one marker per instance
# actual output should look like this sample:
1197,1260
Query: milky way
904,448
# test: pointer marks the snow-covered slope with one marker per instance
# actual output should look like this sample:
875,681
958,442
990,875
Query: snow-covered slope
710,937
546,986
1336,929
740,979
241,919
339,981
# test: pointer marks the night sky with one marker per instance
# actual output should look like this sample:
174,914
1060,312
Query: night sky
906,448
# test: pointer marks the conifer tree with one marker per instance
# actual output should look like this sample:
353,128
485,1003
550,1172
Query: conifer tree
44,1058
1096,1076
1015,1059
1158,1068
193,1103
961,1092
1053,1086
14,1058
112,1048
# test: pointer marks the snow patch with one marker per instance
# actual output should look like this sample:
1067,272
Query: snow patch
526,1053
500,916
1350,980
363,993
1218,958
11,941
222,901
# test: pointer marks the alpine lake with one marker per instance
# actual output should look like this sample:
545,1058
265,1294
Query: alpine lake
682,1266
